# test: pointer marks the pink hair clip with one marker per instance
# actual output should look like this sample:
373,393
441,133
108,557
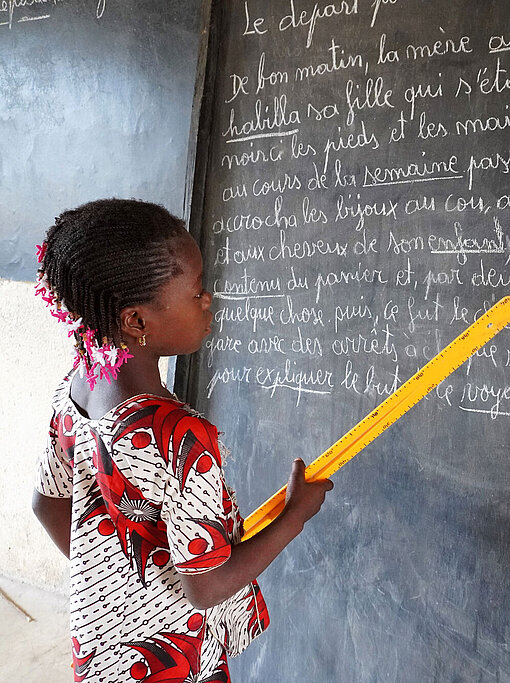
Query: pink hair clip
99,361
73,325
59,314
41,251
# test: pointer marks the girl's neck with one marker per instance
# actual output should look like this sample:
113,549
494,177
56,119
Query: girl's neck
140,375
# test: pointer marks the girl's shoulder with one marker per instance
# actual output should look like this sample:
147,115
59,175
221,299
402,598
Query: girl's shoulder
167,418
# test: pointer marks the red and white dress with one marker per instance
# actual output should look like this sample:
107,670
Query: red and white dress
149,503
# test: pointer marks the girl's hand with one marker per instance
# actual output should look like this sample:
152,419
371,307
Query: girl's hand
249,559
304,499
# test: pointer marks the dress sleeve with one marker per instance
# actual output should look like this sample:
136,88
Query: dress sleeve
194,505
54,470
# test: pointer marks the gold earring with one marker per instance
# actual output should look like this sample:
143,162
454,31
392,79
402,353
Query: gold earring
142,341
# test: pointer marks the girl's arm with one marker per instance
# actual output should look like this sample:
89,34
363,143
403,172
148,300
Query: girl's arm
249,559
55,516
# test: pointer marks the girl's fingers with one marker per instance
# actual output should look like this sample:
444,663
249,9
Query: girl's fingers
298,468
298,472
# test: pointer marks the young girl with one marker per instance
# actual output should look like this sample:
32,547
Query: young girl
131,486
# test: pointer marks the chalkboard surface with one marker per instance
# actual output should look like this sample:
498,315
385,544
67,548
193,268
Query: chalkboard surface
353,207
96,102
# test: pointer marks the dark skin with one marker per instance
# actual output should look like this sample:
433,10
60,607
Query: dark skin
55,516
176,322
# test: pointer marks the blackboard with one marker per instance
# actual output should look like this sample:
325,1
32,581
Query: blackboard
352,203
96,102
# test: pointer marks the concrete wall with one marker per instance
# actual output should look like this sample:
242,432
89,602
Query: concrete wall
35,355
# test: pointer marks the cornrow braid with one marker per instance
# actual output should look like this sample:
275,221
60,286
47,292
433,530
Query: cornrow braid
108,254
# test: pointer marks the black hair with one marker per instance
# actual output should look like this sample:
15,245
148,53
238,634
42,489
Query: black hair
108,254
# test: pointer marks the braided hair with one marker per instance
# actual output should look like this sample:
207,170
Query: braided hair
108,254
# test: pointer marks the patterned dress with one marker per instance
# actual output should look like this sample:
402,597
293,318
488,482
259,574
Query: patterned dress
149,503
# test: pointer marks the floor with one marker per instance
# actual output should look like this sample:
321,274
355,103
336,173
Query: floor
34,635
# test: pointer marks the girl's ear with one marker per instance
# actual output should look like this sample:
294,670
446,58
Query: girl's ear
132,321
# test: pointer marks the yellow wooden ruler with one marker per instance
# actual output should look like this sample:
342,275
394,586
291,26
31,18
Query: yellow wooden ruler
389,411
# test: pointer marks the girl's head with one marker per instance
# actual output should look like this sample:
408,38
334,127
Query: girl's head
104,262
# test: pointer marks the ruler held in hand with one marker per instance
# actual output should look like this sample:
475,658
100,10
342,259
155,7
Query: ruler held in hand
389,411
